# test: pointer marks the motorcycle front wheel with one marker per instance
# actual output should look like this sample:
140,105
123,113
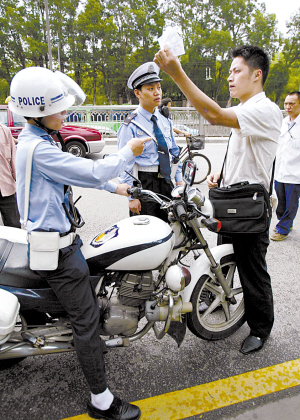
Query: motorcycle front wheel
213,316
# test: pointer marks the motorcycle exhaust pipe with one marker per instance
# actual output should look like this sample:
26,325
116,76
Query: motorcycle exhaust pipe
26,350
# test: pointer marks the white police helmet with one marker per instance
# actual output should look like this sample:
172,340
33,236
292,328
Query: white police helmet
146,73
38,92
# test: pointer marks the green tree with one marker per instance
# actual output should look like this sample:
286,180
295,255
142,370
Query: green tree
276,81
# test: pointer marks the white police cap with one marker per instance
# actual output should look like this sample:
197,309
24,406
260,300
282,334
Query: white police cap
146,73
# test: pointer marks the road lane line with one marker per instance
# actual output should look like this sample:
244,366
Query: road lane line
200,399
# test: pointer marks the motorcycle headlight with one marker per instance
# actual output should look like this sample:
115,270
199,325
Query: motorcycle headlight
177,278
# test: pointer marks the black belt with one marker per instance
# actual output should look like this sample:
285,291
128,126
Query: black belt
155,175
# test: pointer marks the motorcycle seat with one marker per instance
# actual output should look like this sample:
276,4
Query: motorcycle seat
14,267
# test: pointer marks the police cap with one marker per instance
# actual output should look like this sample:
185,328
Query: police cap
146,73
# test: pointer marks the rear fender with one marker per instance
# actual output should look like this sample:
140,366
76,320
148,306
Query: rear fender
202,266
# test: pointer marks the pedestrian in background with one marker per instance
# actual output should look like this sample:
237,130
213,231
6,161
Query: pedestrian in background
255,124
287,168
165,109
8,203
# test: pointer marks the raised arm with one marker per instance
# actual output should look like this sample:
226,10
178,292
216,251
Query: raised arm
208,108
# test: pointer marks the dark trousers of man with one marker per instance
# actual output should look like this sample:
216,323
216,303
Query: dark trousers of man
70,282
151,181
9,211
288,203
250,252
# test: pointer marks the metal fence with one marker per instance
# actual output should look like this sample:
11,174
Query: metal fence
108,119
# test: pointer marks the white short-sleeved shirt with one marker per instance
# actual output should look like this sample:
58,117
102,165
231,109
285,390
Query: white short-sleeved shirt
287,168
252,147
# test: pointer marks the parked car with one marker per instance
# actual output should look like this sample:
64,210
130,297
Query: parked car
106,131
79,141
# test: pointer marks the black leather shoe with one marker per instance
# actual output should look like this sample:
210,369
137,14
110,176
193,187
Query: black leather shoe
119,410
252,344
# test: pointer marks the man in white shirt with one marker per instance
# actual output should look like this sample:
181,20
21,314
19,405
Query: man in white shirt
255,123
287,168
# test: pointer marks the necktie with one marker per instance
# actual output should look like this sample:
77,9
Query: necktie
163,152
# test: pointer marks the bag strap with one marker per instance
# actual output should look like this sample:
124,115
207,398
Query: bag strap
145,131
221,174
28,177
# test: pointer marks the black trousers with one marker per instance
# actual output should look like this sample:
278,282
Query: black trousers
70,282
9,211
150,181
250,252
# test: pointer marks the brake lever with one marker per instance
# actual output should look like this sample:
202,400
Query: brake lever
138,182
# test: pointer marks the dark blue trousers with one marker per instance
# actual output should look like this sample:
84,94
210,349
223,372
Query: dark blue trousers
150,181
70,282
9,211
288,203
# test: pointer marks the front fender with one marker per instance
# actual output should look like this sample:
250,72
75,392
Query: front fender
202,266
72,137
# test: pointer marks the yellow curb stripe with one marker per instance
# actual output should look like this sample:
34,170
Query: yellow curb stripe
199,399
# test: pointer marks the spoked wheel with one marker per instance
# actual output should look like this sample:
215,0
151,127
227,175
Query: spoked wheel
203,167
213,316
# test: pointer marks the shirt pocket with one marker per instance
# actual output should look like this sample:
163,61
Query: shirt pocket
295,143
140,133
167,131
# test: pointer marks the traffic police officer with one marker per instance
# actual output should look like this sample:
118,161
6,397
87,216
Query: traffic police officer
42,97
154,164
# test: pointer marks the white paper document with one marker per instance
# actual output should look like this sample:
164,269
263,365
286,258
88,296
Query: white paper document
173,40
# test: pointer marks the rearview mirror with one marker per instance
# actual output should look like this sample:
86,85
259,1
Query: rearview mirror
189,172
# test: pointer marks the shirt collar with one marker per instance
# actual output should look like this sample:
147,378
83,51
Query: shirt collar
146,114
258,97
296,120
37,131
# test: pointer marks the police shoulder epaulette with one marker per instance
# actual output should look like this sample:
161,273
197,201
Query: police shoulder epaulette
129,118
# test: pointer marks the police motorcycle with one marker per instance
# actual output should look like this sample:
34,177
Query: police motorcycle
147,274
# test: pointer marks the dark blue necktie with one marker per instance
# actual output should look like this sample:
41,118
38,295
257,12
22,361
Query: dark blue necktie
163,152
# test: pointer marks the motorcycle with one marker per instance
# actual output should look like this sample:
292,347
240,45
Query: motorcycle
143,269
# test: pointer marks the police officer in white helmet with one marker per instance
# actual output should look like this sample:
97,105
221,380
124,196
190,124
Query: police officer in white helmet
43,97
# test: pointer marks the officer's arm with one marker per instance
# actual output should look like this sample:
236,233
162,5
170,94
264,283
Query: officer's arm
124,135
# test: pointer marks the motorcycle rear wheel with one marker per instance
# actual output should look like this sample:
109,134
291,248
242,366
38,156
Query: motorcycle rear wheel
219,318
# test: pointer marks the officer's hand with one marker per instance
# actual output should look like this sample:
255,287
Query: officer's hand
137,145
135,206
122,189
166,60
212,180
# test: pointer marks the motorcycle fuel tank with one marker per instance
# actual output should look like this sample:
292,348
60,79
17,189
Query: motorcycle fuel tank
138,243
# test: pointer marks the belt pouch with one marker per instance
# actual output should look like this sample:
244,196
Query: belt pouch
44,250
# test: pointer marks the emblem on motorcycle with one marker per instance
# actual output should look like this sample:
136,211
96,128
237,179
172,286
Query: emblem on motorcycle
105,236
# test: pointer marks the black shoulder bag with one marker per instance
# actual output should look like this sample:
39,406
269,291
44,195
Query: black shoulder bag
242,207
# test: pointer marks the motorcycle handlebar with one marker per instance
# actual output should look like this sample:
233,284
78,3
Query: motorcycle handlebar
137,192
214,225
181,212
